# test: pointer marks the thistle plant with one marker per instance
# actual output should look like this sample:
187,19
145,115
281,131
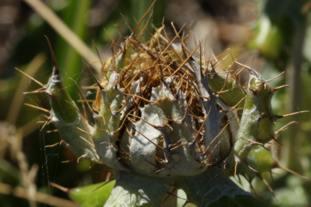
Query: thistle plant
165,118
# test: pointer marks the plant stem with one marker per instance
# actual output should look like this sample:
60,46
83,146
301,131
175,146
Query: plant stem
294,82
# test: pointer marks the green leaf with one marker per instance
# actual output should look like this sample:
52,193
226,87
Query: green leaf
137,190
72,127
94,195
212,188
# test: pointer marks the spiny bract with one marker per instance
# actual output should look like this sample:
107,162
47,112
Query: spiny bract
163,110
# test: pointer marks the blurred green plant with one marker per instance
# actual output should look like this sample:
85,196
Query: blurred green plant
75,15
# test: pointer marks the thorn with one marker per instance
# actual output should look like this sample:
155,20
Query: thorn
251,70
108,176
82,157
82,130
170,43
254,142
99,57
218,93
31,78
185,61
252,188
148,11
55,73
237,104
94,77
53,56
65,161
276,77
201,56
216,140
52,145
251,168
59,187
279,88
37,107
277,132
267,185
125,20
47,122
214,60
37,91
293,172
294,113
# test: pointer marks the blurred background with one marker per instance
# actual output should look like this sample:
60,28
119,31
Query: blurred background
271,36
